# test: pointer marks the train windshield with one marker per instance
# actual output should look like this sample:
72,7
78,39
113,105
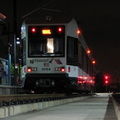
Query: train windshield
46,40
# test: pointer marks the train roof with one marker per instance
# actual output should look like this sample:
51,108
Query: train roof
55,18
48,17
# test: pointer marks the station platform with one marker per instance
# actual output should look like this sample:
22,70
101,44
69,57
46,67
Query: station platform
6,89
94,108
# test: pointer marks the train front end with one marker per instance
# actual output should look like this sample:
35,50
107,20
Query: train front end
44,58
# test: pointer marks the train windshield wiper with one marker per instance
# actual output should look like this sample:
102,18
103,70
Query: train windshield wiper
51,60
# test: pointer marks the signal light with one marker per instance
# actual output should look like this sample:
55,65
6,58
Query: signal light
93,62
33,30
60,29
62,69
29,69
79,82
88,51
78,32
106,79
91,81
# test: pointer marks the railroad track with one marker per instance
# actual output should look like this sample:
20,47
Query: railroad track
17,99
7,100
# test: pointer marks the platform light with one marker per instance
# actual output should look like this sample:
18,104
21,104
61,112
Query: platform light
17,42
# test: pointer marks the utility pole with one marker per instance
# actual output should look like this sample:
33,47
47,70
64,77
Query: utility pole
15,33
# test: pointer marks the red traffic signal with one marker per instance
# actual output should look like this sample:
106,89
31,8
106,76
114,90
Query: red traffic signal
106,79
106,82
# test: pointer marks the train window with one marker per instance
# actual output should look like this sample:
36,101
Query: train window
40,44
72,51
24,50
50,45
80,54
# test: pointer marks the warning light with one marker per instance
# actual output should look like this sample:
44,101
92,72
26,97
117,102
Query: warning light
60,29
33,30
46,31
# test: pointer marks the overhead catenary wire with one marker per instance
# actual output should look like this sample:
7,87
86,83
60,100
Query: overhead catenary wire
41,7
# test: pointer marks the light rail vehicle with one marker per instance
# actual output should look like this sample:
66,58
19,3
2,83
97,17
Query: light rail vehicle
55,56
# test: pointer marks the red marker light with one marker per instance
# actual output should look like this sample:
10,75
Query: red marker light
93,62
91,81
62,69
59,29
29,69
88,51
79,82
33,30
78,32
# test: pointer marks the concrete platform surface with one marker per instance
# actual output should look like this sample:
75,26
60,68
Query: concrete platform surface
95,108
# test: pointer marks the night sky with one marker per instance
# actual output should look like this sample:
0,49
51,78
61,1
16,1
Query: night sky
99,20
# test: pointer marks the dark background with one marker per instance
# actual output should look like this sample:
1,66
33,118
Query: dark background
99,20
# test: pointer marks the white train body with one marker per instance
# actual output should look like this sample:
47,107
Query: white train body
55,57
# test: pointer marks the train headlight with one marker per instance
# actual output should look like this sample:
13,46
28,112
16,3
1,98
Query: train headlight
57,68
34,68
30,69
62,69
